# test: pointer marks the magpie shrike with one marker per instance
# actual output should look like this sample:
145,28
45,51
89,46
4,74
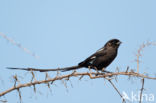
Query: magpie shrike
98,61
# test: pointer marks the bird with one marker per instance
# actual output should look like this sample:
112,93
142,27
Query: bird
102,57
98,61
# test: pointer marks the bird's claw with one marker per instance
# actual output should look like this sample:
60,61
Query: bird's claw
105,71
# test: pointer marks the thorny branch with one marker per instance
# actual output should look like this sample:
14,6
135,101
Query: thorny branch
92,75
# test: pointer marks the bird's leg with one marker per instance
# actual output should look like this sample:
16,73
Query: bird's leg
90,71
96,71
105,71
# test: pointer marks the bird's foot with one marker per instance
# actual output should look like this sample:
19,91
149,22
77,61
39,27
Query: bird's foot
105,71
97,73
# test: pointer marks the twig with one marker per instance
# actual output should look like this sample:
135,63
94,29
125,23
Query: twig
117,90
142,88
19,45
144,45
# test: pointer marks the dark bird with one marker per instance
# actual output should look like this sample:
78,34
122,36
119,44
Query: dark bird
98,61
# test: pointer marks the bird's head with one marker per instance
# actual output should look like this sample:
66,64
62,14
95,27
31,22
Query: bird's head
115,43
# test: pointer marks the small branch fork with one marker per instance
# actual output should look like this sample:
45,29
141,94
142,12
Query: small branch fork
140,50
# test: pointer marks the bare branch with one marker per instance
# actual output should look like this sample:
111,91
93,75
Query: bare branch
124,101
92,75
19,45
140,50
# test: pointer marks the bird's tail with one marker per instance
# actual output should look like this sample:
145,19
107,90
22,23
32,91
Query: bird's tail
47,70
71,68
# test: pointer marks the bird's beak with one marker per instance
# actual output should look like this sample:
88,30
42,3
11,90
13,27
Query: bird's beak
119,42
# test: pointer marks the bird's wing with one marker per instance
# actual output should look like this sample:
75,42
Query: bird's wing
93,57
101,49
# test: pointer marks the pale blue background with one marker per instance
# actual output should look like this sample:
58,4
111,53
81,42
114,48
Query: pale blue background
65,32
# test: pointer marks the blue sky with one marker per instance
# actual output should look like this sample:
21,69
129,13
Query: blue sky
64,32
